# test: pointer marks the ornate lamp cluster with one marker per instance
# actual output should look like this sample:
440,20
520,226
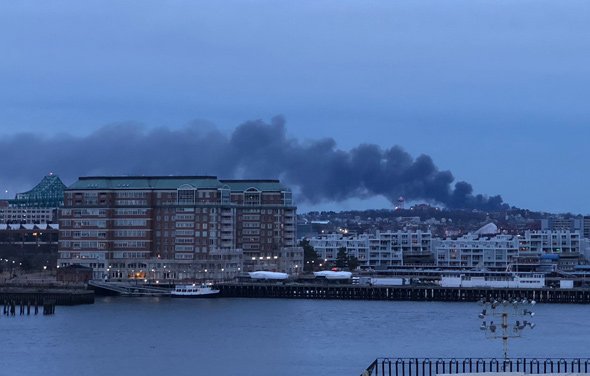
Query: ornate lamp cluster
508,327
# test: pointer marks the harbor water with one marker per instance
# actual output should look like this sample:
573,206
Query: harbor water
164,336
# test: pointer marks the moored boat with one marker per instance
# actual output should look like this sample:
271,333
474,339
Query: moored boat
268,275
194,291
332,274
492,279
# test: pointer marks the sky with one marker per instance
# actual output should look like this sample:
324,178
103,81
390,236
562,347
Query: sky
496,92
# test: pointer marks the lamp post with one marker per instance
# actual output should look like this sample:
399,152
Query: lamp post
509,327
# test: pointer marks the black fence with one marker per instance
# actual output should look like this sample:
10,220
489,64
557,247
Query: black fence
432,367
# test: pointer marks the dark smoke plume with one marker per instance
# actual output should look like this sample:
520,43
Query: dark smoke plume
318,170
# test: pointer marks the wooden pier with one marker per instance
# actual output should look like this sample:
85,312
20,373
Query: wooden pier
31,296
400,293
11,308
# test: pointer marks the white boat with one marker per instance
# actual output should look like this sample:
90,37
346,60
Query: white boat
194,291
329,274
268,275
493,279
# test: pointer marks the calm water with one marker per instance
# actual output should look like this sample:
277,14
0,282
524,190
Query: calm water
162,336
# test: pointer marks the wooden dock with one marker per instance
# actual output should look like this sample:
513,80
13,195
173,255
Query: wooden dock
33,296
400,293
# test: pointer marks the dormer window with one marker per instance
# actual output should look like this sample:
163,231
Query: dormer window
186,195
252,196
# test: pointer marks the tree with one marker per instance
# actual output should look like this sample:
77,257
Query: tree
353,263
342,258
310,256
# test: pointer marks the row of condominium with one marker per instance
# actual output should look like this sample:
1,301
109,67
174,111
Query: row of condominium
530,250
176,227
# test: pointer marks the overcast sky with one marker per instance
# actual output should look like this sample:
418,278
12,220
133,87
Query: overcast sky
497,91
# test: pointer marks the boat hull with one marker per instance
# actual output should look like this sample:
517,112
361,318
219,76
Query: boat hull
197,296
194,291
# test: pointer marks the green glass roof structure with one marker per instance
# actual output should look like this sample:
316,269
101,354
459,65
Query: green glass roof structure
49,193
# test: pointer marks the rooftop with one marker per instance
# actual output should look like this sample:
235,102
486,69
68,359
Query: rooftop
172,183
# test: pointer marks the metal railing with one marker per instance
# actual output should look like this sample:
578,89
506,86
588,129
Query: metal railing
436,366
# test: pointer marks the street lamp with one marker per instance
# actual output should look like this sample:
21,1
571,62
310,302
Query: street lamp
508,328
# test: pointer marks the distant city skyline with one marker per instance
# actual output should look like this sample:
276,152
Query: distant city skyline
496,92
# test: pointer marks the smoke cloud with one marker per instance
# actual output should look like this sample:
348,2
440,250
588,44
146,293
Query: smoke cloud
317,170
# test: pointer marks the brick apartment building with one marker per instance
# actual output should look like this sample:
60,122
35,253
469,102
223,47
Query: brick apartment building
178,227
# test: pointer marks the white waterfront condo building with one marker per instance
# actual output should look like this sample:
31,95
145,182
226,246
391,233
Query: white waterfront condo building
502,251
379,250
528,251
472,251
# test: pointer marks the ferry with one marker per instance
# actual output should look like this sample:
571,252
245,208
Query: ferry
194,291
492,279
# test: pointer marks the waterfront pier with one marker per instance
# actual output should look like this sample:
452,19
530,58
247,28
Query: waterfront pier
128,289
46,298
400,293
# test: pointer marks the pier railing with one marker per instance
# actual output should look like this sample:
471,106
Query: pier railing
434,366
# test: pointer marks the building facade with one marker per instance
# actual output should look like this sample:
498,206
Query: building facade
39,205
184,227
562,224
475,251
377,251
26,215
525,252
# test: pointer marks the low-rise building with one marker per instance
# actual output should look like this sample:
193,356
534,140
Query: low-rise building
499,251
378,251
477,251
74,274
39,205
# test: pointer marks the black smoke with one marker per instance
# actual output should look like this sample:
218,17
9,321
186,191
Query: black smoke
318,170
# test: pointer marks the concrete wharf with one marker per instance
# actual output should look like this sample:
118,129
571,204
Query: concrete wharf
400,293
